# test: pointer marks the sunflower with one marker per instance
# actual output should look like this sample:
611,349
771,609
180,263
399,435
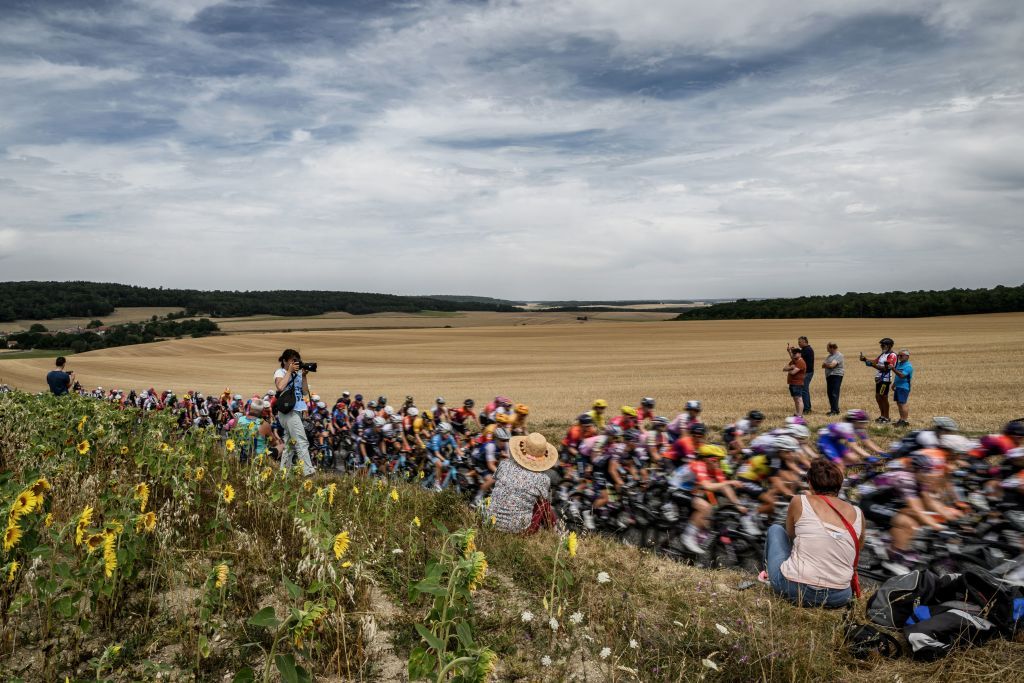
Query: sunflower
12,569
11,536
469,543
341,542
394,495
332,488
267,473
26,502
142,495
477,570
94,542
40,488
346,564
484,665
307,485
355,490
570,544
124,450
164,447
109,553
146,522
84,520
48,520
200,471
83,447
416,521
230,446
229,493
81,423
222,576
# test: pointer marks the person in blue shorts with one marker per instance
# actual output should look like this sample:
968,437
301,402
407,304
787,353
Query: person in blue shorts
904,374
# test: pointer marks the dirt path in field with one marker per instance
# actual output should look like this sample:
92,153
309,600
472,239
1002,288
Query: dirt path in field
381,640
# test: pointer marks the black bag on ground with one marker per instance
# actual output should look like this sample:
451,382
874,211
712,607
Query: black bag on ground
946,629
865,640
895,600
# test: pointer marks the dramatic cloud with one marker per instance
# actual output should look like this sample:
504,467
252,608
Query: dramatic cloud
531,149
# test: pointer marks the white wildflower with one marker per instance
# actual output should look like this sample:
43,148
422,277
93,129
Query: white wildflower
527,616
606,652
397,551
545,661
602,577
721,629
709,664
633,644
678,623
576,617
553,623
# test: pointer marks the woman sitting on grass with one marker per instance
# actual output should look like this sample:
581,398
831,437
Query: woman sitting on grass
519,502
812,561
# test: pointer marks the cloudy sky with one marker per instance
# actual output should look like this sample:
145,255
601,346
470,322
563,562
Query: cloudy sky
531,149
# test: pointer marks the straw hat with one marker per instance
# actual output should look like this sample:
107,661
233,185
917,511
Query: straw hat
533,452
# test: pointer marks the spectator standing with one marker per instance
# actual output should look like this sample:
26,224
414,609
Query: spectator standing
58,380
290,377
795,371
883,365
904,373
807,353
835,369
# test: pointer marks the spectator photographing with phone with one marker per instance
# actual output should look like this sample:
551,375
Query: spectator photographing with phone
883,365
59,380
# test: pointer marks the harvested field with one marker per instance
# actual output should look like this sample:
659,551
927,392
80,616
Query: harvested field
968,367
119,316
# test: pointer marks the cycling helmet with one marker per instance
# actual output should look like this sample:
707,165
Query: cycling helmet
1014,428
945,424
647,402
371,404
439,399
522,409
368,414
613,430
345,394
756,415
660,421
799,432
585,419
501,434
709,450
856,415
628,410
887,341
698,429
381,400
237,397
359,397
468,403
396,419
444,428
389,411
957,443
503,401
378,422
843,429
600,403
321,404
693,405
785,443
316,397
503,418
388,430
796,420
632,435
413,411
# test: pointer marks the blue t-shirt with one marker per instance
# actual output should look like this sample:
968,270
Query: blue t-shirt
907,369
58,381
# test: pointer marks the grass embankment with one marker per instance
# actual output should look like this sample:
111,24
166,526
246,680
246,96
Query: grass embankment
188,597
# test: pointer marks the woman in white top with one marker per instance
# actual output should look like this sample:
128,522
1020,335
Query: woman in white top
811,561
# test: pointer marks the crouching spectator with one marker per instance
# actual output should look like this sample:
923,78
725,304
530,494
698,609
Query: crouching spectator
520,499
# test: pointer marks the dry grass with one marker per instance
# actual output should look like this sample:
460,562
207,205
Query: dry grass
119,316
968,367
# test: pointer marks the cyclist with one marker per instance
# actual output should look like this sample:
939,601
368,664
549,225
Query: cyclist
441,413
862,445
835,443
440,448
582,430
518,425
702,477
464,421
761,474
738,434
680,425
486,458
370,453
626,419
605,452
645,413
657,440
597,413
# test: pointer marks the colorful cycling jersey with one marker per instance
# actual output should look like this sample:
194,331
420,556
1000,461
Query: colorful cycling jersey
598,418
681,449
439,442
371,437
576,435
626,422
694,474
760,467
888,362
485,453
606,458
902,481
591,444
681,423
461,415
656,440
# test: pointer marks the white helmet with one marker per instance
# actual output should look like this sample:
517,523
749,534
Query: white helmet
444,428
413,411
321,404
368,414
799,432
378,422
396,419
389,411
316,397
237,397
785,443
388,430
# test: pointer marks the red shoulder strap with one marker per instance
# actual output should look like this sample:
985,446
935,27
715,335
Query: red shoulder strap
855,582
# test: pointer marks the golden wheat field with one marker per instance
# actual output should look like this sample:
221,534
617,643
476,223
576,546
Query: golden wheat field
968,367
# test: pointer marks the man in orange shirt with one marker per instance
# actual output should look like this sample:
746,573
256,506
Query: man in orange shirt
796,370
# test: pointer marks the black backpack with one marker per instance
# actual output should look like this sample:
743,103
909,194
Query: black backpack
895,600
286,398
864,641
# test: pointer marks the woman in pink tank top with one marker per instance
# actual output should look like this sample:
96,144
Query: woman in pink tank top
811,561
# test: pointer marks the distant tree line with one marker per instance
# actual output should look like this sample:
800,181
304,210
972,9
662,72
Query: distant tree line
47,300
917,304
91,339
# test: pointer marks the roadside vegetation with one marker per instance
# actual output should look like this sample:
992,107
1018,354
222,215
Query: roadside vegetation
132,554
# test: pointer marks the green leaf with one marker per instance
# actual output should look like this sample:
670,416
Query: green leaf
286,665
293,590
65,607
441,527
421,664
265,617
246,675
465,634
204,646
432,640
303,675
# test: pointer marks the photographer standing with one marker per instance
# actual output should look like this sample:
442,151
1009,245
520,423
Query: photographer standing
59,380
290,380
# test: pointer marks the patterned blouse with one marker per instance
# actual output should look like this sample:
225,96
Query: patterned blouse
516,490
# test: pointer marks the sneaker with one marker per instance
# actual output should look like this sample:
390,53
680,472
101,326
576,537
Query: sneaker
691,544
901,423
763,577
749,526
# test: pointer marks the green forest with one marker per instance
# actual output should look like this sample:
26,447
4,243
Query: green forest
47,300
118,335
917,304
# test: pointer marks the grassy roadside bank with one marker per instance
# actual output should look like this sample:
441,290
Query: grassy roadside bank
166,609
